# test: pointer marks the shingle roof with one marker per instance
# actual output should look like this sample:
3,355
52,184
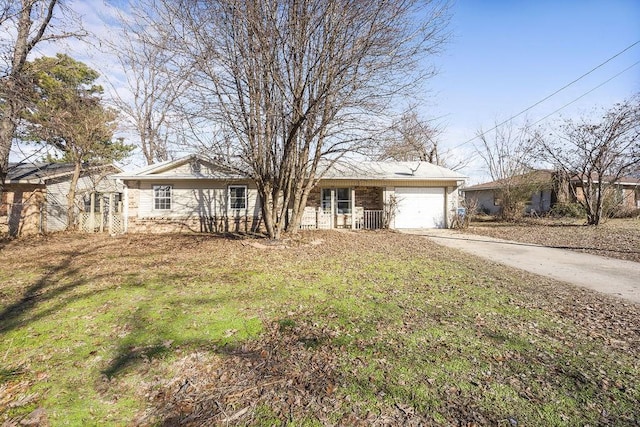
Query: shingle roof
38,173
537,176
351,170
542,176
391,170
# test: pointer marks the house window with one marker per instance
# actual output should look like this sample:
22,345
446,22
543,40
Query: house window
342,200
325,203
497,201
162,197
237,197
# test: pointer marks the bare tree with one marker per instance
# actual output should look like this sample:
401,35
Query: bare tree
292,82
509,155
156,80
24,25
596,154
411,138
414,138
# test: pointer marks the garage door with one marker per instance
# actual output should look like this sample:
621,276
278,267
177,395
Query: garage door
420,207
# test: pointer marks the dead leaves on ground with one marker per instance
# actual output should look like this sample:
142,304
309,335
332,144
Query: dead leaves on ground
285,373
619,238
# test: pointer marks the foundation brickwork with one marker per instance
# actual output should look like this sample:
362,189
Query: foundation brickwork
194,225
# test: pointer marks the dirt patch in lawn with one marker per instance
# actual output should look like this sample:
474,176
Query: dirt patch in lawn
618,238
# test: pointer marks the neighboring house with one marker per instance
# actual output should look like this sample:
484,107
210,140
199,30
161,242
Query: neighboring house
34,199
195,194
549,191
625,192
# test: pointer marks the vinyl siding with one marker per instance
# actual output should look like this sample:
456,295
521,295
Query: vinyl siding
194,199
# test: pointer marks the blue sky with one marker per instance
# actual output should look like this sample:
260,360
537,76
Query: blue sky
505,56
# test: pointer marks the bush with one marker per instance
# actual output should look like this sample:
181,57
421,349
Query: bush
626,213
572,210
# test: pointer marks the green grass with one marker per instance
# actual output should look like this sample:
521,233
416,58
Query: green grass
85,333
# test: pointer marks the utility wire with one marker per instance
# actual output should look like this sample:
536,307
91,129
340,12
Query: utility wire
586,93
557,91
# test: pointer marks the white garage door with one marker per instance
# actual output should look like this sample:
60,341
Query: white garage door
420,207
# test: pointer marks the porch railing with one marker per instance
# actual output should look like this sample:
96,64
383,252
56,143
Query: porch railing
371,220
316,218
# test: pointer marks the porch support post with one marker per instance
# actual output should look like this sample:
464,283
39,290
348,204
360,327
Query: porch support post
111,212
353,208
125,207
333,208
92,213
101,214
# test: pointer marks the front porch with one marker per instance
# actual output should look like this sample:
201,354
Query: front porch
357,208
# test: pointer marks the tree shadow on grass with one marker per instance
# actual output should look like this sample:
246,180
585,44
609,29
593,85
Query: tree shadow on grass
49,287
152,337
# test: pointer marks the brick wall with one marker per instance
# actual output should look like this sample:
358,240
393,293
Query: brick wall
194,225
369,198
20,210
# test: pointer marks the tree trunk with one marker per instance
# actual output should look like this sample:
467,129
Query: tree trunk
71,196
7,130
10,89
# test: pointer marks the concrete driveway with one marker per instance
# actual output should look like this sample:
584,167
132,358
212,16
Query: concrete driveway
610,276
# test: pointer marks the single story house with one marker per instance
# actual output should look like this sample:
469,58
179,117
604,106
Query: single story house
550,189
196,194
34,199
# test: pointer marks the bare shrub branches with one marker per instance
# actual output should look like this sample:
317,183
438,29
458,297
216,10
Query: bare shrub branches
596,153
509,156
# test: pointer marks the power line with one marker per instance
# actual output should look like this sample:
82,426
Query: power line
559,90
586,93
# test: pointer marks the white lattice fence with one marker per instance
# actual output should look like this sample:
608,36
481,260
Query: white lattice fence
98,222
116,224
89,222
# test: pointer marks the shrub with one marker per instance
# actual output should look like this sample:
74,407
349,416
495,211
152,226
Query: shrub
626,213
572,210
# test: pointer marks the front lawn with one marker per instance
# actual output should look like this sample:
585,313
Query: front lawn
333,328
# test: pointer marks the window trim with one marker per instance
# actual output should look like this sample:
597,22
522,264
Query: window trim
347,200
326,208
246,198
334,201
167,199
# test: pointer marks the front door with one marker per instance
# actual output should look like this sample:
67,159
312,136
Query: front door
338,202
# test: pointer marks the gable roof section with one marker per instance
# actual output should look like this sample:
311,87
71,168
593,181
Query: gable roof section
40,173
340,170
171,169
